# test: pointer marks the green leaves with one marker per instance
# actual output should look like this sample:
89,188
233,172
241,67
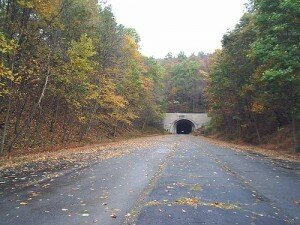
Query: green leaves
256,76
278,45
80,53
184,83
272,75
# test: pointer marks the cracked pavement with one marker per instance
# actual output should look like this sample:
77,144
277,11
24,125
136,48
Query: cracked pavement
176,179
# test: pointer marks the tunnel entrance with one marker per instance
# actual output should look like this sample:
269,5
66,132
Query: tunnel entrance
184,127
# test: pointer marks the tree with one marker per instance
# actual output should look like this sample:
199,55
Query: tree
185,86
277,48
66,68
258,72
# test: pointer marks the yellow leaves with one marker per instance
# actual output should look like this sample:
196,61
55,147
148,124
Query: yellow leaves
194,202
257,107
6,75
153,203
7,46
147,84
92,95
108,96
47,9
116,106
82,119
187,201
131,48
26,3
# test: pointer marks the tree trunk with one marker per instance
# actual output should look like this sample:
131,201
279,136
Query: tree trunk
144,123
53,120
87,126
5,125
65,126
115,130
28,121
253,121
19,115
24,127
38,124
256,127
295,134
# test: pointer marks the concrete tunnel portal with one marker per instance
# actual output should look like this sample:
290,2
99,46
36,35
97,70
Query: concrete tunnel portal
184,123
184,126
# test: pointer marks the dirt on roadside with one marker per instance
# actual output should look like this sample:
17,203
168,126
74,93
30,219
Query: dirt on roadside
272,153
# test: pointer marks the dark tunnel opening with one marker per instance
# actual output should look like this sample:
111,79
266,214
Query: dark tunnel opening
184,127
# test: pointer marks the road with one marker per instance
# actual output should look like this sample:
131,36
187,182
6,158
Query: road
179,179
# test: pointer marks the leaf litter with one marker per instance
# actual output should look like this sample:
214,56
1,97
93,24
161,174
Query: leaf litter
34,168
194,202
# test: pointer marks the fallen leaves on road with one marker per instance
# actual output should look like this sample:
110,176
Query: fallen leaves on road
221,205
113,215
153,203
195,187
194,202
187,201
33,168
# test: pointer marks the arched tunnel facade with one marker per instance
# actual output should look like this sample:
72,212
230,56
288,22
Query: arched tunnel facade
184,126
184,123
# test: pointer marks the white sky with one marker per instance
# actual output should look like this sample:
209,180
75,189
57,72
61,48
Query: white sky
174,26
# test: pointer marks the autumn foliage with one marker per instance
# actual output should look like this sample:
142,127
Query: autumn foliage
254,87
68,71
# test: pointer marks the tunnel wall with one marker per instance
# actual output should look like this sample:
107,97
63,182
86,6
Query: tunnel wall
170,120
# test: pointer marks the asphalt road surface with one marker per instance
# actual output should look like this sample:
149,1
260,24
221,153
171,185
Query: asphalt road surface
179,179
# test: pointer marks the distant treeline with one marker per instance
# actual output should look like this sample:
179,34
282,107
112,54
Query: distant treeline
254,86
185,80
68,71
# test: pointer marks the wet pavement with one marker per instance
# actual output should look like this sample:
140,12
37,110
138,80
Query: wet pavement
179,179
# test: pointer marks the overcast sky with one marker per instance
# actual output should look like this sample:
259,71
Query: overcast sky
174,26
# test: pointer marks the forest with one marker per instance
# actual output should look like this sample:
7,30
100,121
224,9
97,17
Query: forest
185,82
70,73
254,86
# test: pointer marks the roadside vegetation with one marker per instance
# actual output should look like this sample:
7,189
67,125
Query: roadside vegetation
254,86
69,74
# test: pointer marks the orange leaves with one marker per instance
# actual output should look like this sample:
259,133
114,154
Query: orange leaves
115,105
257,107
108,97
147,84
